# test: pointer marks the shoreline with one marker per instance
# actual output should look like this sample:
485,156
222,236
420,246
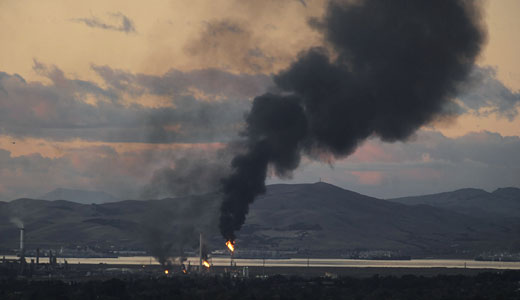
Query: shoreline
297,262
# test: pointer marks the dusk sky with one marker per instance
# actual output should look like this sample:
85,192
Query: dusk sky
106,95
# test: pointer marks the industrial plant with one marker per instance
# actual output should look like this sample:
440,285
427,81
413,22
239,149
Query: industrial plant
46,264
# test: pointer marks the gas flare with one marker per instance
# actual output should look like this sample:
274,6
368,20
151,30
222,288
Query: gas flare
206,264
231,246
166,272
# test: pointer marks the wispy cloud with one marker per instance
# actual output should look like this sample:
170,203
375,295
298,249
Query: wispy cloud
117,22
230,43
431,163
485,91
199,106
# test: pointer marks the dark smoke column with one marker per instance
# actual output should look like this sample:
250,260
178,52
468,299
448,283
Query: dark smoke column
395,66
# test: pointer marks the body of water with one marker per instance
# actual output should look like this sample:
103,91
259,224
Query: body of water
303,262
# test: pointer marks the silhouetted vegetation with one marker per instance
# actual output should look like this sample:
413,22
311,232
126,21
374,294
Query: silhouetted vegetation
492,285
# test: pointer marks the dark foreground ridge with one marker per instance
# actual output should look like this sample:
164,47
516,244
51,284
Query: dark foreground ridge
491,285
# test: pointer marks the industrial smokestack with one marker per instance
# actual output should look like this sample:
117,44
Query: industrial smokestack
390,68
201,258
203,254
22,250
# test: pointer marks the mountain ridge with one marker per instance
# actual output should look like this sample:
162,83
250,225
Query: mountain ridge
318,218
502,202
79,196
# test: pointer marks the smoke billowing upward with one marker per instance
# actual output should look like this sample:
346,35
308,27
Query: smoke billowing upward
203,248
193,173
173,227
17,222
389,68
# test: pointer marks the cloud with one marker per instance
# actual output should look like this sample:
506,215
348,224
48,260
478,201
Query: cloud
125,174
214,83
123,23
205,106
430,163
230,44
200,105
484,94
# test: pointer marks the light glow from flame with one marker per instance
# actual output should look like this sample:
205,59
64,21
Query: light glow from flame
231,246
184,271
206,264
166,272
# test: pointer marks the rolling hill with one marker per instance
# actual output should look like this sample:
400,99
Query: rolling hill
503,202
79,196
320,219
348,220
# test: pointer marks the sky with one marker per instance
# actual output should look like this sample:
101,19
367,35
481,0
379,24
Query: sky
139,99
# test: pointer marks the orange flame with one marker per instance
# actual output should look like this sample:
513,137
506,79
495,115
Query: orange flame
231,246
206,264
166,272
184,271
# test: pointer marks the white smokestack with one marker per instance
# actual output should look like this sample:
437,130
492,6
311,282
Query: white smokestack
22,230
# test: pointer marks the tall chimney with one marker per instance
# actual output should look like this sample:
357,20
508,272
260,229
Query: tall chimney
22,250
200,250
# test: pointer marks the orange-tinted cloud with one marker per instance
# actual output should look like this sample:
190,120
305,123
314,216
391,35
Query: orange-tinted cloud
65,109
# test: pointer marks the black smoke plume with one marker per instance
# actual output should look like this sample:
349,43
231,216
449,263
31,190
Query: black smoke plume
388,68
